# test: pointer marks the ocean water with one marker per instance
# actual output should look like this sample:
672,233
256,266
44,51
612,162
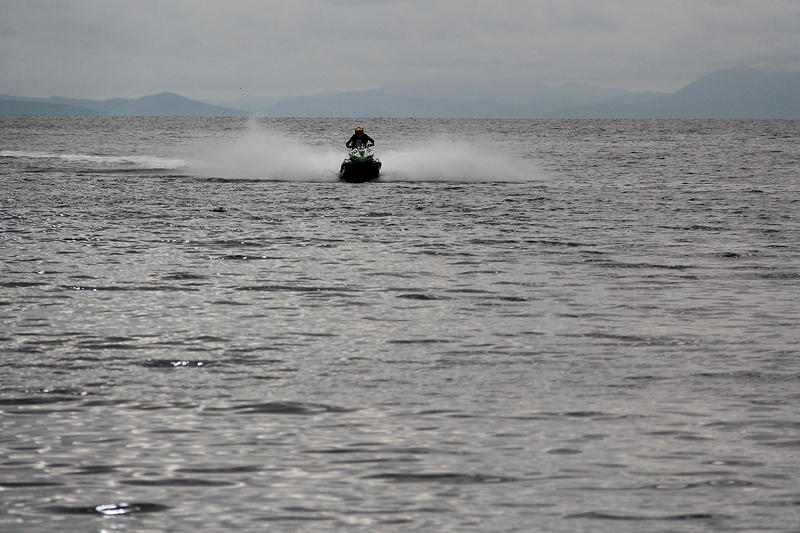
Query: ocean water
556,326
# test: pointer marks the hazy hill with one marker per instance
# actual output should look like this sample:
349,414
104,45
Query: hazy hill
381,103
21,107
376,103
168,105
250,104
163,104
735,93
515,91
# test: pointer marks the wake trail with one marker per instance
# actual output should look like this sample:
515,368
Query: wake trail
145,162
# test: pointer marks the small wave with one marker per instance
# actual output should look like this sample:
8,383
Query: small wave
292,518
221,470
453,478
35,400
595,515
174,363
177,482
28,484
110,509
285,408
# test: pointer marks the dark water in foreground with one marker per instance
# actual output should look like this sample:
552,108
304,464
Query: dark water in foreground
598,332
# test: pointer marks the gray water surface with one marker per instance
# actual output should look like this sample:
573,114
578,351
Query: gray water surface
587,326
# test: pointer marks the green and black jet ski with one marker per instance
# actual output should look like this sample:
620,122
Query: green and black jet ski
361,165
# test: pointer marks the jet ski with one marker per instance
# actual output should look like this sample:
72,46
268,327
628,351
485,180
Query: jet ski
360,166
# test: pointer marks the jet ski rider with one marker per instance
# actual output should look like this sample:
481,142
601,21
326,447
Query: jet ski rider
360,136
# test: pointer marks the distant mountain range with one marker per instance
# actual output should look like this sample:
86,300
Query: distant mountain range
540,100
163,104
735,93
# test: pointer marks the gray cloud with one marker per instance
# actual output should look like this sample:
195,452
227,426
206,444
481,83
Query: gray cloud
211,49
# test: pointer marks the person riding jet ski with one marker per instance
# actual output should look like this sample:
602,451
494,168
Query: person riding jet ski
361,164
360,136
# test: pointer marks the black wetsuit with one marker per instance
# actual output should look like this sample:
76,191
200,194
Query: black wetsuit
364,138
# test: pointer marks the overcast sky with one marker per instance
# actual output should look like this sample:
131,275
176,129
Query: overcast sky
224,49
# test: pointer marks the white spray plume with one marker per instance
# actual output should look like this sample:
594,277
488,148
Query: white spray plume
444,160
260,154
